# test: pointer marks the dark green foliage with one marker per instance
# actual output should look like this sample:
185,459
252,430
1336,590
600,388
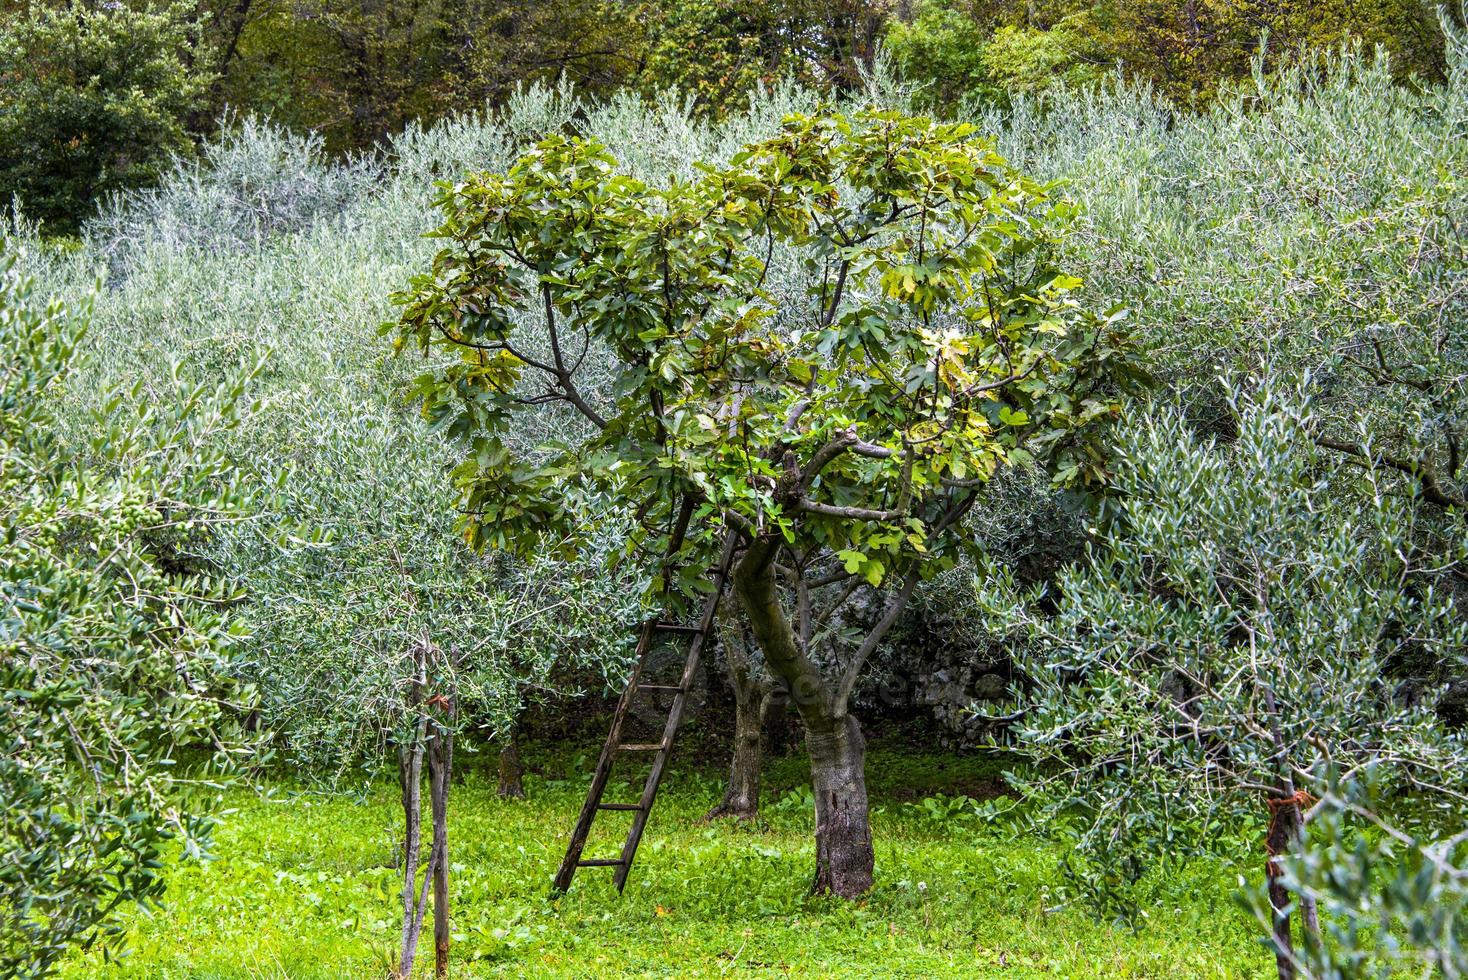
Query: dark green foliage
358,73
1188,50
94,98
957,52
718,51
941,49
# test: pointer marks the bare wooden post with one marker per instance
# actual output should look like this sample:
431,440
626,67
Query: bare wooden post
440,770
410,772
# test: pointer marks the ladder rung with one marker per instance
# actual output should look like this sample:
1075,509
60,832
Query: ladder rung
600,863
660,687
641,747
676,628
619,806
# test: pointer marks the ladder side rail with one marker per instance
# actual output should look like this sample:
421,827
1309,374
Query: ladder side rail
603,768
675,716
721,576
655,775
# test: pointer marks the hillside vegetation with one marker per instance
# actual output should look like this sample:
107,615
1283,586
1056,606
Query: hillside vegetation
1248,602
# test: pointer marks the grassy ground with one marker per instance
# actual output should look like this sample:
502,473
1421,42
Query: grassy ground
303,888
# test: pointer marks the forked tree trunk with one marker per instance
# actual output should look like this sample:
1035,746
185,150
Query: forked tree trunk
844,855
438,747
410,773
512,777
1286,831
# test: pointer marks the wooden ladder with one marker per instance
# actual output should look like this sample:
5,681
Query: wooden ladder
646,643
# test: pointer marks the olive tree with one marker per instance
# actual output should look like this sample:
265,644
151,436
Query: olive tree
120,709
381,641
1235,631
1392,892
840,427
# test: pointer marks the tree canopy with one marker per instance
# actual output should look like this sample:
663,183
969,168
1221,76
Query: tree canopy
932,340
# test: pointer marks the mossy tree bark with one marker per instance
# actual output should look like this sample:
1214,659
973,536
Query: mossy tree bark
844,856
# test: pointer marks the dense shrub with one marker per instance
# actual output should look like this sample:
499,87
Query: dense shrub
255,181
1230,633
96,98
1393,893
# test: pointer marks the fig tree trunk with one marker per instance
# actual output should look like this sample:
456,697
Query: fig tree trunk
844,856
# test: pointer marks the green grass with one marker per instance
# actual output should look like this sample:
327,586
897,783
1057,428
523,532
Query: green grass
303,887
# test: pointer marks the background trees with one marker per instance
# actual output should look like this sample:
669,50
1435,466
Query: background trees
718,51
96,98
78,118
358,73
